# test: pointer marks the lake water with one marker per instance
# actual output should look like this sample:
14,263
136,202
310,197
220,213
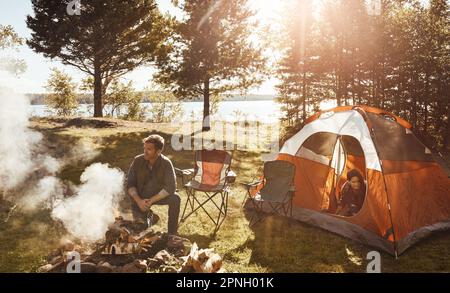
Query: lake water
264,111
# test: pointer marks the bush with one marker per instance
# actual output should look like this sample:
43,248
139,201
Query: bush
135,110
165,107
62,97
119,95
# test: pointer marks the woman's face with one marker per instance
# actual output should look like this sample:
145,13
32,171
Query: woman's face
355,184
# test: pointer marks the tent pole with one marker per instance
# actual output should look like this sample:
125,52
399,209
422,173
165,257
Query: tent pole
341,145
334,176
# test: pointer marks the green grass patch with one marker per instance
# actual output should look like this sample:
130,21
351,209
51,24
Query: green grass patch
275,245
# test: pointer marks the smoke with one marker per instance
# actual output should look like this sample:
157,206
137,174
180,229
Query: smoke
48,163
87,214
84,151
17,142
43,194
27,169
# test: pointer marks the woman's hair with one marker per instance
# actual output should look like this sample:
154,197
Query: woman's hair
355,173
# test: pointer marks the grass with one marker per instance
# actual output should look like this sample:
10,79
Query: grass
276,245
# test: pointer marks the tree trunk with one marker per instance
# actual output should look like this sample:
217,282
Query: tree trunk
414,94
338,91
98,107
339,71
373,102
206,123
304,97
447,132
426,102
414,113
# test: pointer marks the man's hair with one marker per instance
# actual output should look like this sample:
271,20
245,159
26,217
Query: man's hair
156,140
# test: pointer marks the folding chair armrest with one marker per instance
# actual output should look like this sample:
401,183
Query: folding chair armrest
252,184
230,177
292,190
178,171
183,172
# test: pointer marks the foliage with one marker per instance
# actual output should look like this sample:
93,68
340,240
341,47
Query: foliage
135,111
107,39
165,107
9,39
62,93
119,95
397,60
210,52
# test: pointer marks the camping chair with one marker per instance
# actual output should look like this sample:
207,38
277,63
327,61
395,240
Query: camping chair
277,191
211,177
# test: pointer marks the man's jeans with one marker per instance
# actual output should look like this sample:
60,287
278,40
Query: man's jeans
173,201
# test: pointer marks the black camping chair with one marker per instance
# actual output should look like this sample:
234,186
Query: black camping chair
277,191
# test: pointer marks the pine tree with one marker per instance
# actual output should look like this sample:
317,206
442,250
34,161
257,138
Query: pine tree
108,39
211,53
296,68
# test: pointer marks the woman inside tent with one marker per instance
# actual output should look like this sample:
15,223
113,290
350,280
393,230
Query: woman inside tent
353,193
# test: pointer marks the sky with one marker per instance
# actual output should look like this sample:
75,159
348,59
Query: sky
39,68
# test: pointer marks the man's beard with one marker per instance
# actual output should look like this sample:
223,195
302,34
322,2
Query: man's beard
150,158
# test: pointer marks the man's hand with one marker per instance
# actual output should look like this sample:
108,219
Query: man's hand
144,204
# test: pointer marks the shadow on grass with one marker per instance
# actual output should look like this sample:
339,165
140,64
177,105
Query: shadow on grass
26,239
276,245
201,240
286,245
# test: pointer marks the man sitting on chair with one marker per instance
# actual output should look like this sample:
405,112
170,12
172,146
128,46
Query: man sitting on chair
151,180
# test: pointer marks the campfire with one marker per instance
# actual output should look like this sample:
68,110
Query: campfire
128,248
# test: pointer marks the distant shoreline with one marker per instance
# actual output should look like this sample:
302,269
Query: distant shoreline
38,99
262,110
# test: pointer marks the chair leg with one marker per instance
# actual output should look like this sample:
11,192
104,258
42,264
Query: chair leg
202,204
251,222
287,208
245,198
185,205
195,204
220,209
282,209
192,200
189,202
276,207
258,214
292,199
226,203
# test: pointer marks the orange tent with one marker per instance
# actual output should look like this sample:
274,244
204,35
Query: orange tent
407,194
